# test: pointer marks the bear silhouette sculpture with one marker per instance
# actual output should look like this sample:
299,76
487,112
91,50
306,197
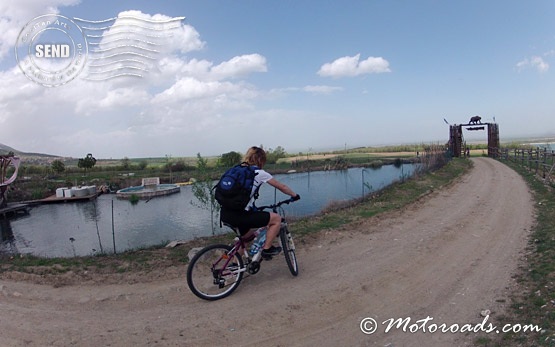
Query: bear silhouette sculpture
475,120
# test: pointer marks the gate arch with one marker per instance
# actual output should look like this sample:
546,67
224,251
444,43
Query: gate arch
456,137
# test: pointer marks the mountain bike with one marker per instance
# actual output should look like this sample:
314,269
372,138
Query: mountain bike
216,271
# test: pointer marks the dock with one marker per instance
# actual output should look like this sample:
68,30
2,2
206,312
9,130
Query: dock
55,199
14,210
22,208
61,199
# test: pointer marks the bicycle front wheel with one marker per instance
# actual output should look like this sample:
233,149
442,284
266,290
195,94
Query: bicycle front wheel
289,250
214,274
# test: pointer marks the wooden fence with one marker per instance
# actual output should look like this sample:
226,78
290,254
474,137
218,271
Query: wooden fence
539,160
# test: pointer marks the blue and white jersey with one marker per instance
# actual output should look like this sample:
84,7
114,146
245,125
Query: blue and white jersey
260,178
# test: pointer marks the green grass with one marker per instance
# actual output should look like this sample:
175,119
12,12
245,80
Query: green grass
534,303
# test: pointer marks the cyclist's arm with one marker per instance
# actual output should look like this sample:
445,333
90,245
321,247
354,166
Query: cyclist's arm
282,187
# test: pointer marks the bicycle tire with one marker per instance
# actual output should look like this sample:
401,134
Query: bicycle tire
210,282
289,250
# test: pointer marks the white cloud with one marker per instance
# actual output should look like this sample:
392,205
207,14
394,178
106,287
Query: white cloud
182,38
534,62
352,66
313,89
123,97
240,66
190,88
173,67
321,89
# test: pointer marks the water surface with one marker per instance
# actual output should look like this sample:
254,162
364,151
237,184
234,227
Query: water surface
84,228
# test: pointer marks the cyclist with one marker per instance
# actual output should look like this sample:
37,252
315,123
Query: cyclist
248,219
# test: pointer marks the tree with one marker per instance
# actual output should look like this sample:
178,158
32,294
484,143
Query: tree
86,163
125,163
230,159
58,166
143,164
202,190
179,166
169,163
272,156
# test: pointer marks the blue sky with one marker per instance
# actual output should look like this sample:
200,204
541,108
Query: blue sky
303,75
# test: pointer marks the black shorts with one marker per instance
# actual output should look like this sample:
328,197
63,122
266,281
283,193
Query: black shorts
245,220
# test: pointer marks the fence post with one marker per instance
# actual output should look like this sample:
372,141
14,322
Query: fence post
530,160
537,159
544,161
113,230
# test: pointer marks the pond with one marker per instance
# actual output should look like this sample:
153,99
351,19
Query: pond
108,224
548,146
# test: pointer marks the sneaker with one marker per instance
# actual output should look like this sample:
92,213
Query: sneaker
268,253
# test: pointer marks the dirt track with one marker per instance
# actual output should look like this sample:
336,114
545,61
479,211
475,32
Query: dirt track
449,256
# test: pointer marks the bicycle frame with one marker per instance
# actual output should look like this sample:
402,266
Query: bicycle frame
239,242
243,241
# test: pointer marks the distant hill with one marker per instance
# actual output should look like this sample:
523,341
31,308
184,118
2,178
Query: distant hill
4,149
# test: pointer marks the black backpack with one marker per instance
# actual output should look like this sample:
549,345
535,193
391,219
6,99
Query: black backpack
233,191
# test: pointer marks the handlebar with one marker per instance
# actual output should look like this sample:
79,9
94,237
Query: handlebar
278,204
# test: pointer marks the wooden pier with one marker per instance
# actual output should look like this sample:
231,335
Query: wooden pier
22,208
14,210
55,199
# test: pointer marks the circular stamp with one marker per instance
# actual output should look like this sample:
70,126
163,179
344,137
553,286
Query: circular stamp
51,50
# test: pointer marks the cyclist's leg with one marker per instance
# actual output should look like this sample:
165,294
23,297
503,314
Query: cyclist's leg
271,220
273,229
247,220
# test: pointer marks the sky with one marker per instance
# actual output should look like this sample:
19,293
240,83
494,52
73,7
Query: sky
178,77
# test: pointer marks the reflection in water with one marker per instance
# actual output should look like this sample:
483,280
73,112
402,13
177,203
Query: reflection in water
96,216
6,230
98,226
7,238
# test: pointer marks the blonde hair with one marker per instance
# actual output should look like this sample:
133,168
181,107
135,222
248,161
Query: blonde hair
255,156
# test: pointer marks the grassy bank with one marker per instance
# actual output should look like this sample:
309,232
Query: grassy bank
159,259
534,302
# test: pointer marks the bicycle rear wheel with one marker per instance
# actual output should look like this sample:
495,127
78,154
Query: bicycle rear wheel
289,250
212,275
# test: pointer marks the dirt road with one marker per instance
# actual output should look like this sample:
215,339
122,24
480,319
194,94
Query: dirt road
448,257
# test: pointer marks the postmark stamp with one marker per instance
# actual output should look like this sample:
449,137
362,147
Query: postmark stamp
51,50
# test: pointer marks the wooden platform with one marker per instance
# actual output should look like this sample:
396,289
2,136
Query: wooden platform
55,199
14,210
